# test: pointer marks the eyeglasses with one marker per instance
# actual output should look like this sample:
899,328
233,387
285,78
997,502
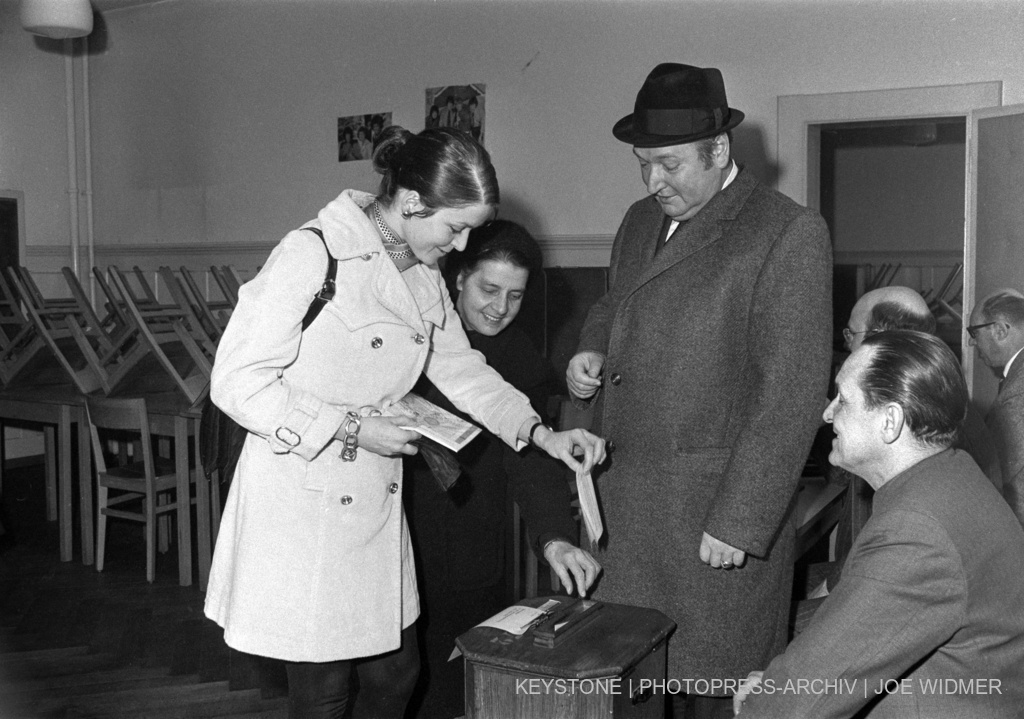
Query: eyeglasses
973,329
849,334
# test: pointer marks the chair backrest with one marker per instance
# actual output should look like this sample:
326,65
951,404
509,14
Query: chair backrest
228,281
57,329
214,311
113,306
12,320
128,414
35,295
148,295
25,359
170,318
102,328
161,329
197,315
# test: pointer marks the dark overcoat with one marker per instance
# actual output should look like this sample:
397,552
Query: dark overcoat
1006,421
718,350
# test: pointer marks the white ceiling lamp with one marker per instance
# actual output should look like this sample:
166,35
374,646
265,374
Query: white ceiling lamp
57,18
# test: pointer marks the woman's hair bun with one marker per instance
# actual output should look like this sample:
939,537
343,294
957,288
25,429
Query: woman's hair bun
389,144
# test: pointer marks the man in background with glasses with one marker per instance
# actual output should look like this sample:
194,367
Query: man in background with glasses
887,308
997,333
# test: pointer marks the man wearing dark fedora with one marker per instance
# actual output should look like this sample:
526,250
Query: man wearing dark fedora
708,362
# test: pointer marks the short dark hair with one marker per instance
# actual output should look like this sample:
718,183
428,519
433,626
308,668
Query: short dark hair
889,315
1006,306
920,373
500,240
447,167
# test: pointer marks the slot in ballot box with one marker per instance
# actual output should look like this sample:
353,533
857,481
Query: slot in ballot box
584,659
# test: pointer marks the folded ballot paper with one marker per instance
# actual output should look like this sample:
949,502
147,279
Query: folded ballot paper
436,423
588,506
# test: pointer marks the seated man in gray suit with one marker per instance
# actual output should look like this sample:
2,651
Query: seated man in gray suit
926,621
997,333
897,308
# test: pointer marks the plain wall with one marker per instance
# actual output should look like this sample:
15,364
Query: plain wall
875,212
214,121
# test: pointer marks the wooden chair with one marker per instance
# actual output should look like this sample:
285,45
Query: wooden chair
218,311
107,327
25,357
113,308
148,295
149,481
15,327
114,347
57,326
228,280
162,328
193,304
34,294
159,314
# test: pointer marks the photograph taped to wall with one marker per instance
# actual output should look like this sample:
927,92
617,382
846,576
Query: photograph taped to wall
358,135
460,106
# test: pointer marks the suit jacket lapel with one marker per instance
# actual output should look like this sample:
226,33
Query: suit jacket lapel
1012,384
704,229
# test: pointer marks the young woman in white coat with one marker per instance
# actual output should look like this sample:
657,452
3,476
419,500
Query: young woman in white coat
313,563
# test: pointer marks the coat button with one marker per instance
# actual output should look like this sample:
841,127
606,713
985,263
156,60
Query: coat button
376,343
616,378
367,257
419,339
346,500
393,488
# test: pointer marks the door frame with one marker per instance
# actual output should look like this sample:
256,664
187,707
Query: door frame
982,392
800,116
19,199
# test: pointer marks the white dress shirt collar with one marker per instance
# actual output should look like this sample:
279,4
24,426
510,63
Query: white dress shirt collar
1006,369
732,176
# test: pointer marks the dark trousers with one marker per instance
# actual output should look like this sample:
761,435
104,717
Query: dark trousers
323,690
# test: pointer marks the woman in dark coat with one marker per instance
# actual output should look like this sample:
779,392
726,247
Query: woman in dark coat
459,537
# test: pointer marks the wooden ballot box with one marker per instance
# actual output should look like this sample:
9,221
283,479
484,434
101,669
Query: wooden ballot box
585,659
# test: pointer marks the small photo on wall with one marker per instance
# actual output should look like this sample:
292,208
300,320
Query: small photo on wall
460,106
358,135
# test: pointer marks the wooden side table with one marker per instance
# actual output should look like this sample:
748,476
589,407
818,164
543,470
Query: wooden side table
612,666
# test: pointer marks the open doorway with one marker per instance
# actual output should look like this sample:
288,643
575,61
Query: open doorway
892,193
12,228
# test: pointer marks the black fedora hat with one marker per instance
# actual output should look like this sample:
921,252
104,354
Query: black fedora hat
676,105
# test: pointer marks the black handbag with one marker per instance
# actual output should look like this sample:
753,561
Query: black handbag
220,437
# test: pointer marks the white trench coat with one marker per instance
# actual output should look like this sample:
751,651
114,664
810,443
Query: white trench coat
313,561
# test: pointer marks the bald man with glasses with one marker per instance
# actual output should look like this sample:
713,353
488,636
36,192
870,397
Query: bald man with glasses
887,308
996,330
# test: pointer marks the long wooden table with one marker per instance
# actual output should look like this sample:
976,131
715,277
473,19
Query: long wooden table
57,407
170,415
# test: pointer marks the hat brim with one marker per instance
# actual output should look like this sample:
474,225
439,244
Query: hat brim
625,132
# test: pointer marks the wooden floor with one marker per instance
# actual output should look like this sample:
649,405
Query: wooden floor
78,643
